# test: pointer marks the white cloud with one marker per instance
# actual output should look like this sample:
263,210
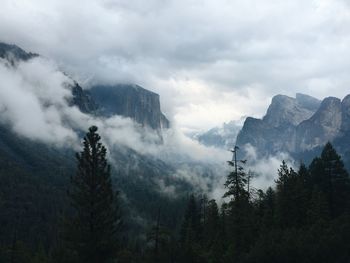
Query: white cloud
221,59
34,102
31,97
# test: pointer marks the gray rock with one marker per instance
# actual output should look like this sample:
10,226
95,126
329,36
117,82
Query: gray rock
285,110
323,126
221,137
299,126
276,131
81,98
131,101
13,53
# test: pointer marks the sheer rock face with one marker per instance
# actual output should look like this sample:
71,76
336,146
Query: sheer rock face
285,110
276,131
83,100
130,101
323,126
298,125
345,105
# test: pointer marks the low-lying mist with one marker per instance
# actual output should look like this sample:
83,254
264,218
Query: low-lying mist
35,103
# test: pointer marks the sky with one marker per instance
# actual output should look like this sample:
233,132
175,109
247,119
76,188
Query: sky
211,61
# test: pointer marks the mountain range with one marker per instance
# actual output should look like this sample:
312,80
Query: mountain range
298,126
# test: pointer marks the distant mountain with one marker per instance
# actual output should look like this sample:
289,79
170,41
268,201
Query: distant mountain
299,126
131,101
220,137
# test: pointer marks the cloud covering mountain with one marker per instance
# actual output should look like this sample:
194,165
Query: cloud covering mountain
211,61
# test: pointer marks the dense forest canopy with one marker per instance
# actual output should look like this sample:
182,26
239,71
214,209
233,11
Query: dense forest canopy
78,217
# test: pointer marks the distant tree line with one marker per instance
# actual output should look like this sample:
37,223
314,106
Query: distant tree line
305,217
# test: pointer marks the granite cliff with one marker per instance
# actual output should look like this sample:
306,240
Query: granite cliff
132,101
300,126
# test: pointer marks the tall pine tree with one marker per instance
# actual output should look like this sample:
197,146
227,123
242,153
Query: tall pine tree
95,224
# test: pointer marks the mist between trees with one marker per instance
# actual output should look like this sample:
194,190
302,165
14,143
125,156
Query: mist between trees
303,217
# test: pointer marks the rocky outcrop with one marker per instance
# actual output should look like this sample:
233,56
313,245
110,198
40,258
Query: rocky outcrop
131,101
323,126
83,100
221,137
13,53
276,131
285,110
299,125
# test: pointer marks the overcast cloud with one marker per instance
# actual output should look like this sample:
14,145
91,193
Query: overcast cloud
210,60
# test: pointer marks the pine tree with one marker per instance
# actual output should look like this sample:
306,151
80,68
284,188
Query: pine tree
96,221
236,181
338,180
290,199
190,232
239,209
329,176
268,209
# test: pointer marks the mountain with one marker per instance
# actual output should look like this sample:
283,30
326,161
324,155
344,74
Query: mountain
221,137
323,126
131,101
299,126
275,132
13,53
35,176
285,111
83,100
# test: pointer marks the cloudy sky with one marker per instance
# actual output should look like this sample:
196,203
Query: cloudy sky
210,60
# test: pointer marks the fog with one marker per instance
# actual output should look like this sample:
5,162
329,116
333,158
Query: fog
35,103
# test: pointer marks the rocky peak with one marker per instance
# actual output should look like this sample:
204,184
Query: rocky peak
13,53
222,136
323,126
329,113
285,110
346,114
308,102
297,125
131,101
81,98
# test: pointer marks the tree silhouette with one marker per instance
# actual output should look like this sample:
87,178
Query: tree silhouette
96,220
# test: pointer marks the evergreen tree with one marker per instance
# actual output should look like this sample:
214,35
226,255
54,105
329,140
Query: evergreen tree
268,209
239,210
211,238
291,196
236,181
190,232
96,221
329,176
160,238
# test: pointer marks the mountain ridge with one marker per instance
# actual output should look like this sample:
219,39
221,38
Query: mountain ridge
146,102
298,128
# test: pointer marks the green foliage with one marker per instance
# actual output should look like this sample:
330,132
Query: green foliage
292,222
94,226
303,218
